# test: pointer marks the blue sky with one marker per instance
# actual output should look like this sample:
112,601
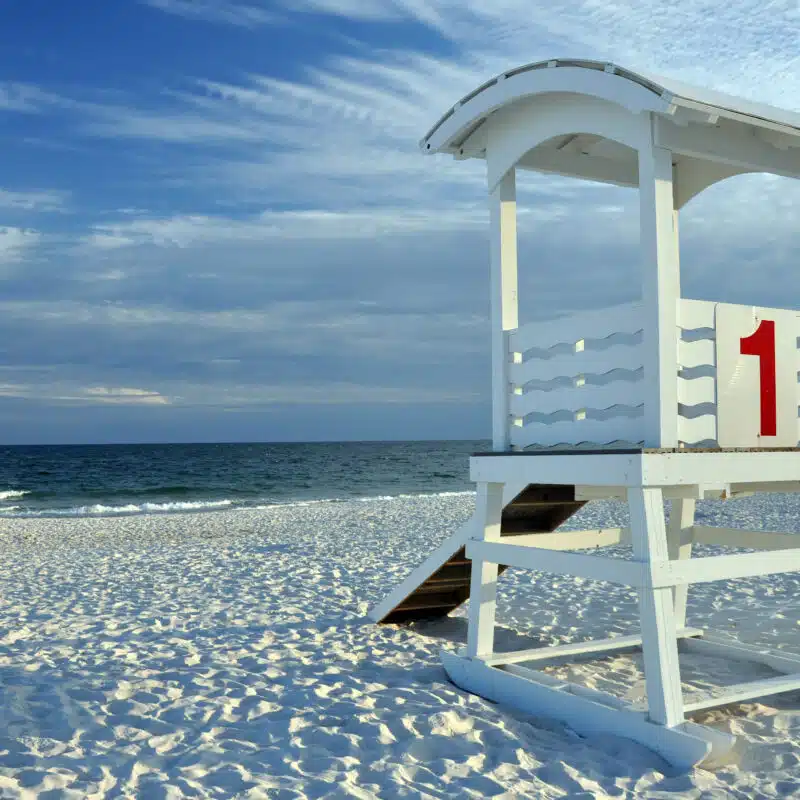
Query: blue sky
215,223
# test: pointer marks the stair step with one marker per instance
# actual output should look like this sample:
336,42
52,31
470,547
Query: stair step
539,508
451,571
419,606
441,586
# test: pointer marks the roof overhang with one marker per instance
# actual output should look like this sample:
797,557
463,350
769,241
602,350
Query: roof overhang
702,127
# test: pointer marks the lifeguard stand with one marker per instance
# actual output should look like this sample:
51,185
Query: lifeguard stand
667,398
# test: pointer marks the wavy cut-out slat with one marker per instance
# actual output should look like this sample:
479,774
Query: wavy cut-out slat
599,324
699,429
697,354
587,431
694,314
568,365
574,398
697,390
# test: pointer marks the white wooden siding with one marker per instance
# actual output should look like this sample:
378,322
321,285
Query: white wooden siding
598,324
579,379
586,431
570,365
572,383
695,314
576,398
697,391
696,354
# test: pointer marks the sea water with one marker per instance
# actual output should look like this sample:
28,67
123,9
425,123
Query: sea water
116,480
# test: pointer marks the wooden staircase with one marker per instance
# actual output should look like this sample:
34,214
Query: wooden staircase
539,508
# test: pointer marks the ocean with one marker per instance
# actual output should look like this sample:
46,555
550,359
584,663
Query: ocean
119,480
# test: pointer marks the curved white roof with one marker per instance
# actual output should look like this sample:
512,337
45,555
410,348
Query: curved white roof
635,90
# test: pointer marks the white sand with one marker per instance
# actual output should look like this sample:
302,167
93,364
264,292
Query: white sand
229,655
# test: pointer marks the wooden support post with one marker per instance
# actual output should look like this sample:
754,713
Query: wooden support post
504,303
659,634
660,295
483,581
679,545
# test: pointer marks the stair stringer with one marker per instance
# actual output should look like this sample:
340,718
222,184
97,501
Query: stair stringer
437,559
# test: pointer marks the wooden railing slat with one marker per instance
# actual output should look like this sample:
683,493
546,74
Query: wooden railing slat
598,324
568,365
627,429
693,314
574,398
699,429
697,354
697,390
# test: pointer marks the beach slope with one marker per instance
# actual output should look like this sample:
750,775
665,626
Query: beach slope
229,654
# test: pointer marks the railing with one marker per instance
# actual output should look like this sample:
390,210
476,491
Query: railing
578,379
697,372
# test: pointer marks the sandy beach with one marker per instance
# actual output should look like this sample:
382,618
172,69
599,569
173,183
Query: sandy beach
228,654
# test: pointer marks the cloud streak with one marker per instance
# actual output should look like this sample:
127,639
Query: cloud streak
27,98
46,200
343,138
245,15
16,243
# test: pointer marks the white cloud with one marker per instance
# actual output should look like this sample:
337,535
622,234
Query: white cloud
42,200
124,396
14,390
334,393
69,392
26,98
181,127
15,243
298,324
232,397
245,15
197,230
370,10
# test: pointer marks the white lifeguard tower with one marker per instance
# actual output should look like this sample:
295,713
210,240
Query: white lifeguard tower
664,399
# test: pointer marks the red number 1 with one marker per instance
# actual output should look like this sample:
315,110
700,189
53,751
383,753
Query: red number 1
762,344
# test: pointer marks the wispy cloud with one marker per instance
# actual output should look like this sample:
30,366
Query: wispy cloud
123,396
344,136
232,397
15,243
38,200
74,394
26,98
370,10
181,126
197,230
245,15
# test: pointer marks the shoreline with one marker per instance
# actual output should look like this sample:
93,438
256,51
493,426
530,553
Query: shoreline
102,511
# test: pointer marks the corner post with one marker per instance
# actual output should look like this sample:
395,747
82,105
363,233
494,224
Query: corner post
483,581
656,612
504,303
660,292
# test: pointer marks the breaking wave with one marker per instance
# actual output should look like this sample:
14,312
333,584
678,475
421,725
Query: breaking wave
12,494
100,510
130,509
